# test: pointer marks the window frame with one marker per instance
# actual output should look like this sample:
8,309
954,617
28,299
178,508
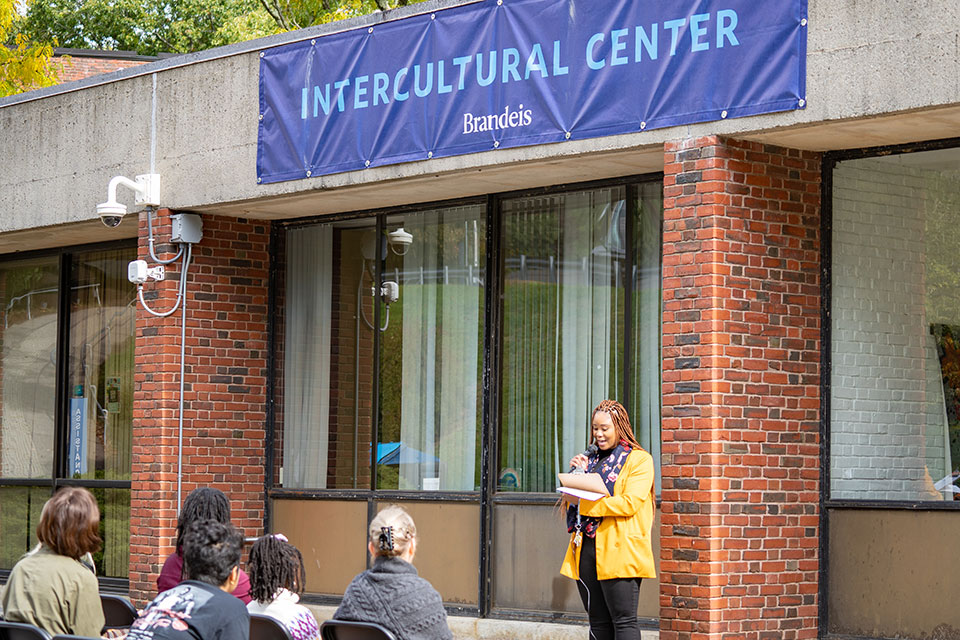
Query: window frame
58,477
488,496
829,163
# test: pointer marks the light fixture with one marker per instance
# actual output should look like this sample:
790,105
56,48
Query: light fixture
146,190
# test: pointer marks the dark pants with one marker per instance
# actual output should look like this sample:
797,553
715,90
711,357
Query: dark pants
611,604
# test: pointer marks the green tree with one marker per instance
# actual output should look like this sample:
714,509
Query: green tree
24,65
298,14
148,27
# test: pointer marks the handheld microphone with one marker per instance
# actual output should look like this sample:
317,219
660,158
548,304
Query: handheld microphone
589,451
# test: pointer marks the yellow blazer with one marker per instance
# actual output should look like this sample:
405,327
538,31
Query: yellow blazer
624,546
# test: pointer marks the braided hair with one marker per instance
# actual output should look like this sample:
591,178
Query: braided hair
274,564
621,421
203,503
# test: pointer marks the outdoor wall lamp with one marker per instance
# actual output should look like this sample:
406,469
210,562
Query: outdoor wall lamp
147,192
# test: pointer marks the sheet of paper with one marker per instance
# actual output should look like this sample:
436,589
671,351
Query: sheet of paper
946,483
581,493
585,481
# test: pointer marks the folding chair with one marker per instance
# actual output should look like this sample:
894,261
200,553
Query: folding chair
118,613
263,627
352,630
21,631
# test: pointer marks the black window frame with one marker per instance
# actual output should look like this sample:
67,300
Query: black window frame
59,474
488,496
829,162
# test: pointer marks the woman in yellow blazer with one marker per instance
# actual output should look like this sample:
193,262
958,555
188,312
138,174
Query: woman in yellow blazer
610,549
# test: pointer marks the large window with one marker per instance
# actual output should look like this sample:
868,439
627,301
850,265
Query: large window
66,374
428,330
413,346
431,352
895,328
566,277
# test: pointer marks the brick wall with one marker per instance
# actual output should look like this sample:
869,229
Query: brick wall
225,389
887,420
76,67
740,431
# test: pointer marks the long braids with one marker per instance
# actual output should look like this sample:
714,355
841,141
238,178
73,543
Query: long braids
274,564
203,503
621,421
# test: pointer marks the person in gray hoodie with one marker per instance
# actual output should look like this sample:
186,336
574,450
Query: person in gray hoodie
391,593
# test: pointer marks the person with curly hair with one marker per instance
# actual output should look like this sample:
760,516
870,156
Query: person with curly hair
200,607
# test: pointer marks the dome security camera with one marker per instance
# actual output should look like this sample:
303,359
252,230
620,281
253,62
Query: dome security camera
111,213
147,192
400,241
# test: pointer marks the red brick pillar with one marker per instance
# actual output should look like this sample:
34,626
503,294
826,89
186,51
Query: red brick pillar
741,351
224,387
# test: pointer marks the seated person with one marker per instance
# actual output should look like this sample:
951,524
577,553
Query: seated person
50,587
391,593
277,578
200,607
202,503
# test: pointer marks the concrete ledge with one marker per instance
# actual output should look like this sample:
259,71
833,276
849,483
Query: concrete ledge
468,628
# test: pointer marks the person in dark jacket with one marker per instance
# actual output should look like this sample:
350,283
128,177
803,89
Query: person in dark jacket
200,607
391,593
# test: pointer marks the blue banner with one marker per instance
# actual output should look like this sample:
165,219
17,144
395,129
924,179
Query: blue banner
78,437
507,73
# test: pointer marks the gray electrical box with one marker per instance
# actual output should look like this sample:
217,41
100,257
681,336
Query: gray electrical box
186,227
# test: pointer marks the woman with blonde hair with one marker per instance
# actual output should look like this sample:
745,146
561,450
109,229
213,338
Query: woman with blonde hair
50,587
610,548
391,593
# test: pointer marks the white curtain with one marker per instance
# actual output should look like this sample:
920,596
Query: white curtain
645,403
306,388
562,329
589,293
441,307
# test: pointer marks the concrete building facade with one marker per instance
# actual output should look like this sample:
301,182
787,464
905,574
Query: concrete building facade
773,297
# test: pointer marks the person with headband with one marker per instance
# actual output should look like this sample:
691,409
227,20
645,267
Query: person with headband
277,577
50,587
610,549
391,593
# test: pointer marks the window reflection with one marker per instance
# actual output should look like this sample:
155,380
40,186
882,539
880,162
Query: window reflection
19,516
102,331
29,292
431,353
563,333
895,279
430,331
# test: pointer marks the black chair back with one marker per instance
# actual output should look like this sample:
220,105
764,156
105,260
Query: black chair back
118,612
21,631
263,627
65,637
352,630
